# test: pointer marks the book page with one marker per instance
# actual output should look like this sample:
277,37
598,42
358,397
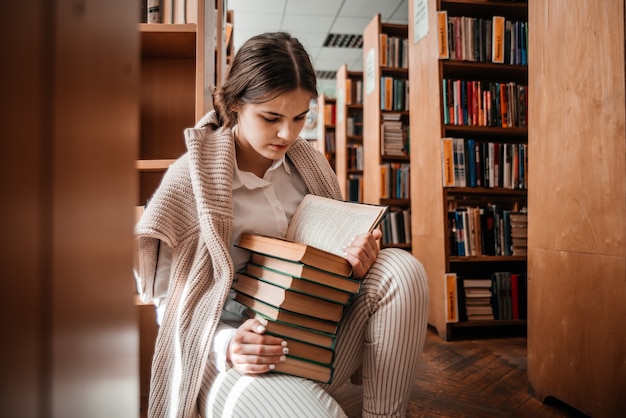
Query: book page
331,224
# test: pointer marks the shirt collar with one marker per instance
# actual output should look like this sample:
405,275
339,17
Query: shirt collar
250,181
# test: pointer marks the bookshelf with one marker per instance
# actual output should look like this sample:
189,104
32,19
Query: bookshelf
349,133
326,127
175,80
385,97
435,206
176,76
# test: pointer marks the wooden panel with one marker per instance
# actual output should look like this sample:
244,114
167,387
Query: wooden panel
371,111
93,323
427,201
576,137
24,182
428,250
167,106
577,202
576,330
70,338
341,141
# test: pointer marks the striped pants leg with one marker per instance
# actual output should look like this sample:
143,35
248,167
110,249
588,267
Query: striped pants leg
383,331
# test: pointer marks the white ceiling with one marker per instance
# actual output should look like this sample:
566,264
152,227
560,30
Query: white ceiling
311,21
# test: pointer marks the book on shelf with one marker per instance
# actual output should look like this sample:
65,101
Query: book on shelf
452,303
498,42
287,299
302,285
317,233
442,34
509,295
154,11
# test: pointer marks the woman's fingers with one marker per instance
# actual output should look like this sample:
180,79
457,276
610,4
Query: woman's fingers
251,351
362,252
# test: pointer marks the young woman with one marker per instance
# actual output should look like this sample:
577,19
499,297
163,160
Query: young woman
246,170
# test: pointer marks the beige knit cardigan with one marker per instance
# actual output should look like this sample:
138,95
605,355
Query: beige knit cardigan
192,212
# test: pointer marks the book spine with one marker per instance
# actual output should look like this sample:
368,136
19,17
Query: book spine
154,11
451,305
442,32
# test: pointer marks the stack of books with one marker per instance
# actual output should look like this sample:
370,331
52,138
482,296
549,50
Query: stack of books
300,293
519,233
299,286
477,296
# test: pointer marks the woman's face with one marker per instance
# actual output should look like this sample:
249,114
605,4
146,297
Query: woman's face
270,128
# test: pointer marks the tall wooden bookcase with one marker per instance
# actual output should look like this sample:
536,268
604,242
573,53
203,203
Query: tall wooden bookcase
349,133
326,127
176,79
577,203
431,202
382,58
176,75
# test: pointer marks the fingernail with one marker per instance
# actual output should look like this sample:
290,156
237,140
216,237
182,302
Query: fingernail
285,350
284,343
283,358
272,367
260,328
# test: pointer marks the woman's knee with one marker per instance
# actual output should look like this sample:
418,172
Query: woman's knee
403,266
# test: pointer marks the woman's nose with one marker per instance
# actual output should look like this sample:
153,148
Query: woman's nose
286,131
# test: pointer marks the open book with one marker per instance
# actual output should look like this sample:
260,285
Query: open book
319,230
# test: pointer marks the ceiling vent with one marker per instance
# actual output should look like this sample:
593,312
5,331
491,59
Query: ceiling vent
326,75
342,40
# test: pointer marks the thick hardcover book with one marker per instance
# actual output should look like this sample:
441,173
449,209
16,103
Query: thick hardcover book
319,230
452,302
305,368
295,332
498,40
442,34
287,299
296,252
305,272
280,315
288,281
311,352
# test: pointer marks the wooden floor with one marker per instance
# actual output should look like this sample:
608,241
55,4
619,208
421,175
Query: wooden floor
482,378
477,378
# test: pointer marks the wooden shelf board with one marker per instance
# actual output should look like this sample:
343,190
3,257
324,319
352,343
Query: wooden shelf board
486,258
153,165
484,131
486,8
483,191
160,40
484,71
493,323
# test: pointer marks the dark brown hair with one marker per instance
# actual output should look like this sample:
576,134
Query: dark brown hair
265,67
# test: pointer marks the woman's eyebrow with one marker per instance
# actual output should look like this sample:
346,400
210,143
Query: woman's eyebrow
269,112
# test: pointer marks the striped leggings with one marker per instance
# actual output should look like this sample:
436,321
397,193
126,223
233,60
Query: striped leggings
383,332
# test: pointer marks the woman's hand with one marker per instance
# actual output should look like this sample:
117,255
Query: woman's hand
362,252
250,351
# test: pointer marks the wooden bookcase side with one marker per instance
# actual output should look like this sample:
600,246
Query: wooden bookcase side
373,115
326,128
430,200
344,139
577,202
